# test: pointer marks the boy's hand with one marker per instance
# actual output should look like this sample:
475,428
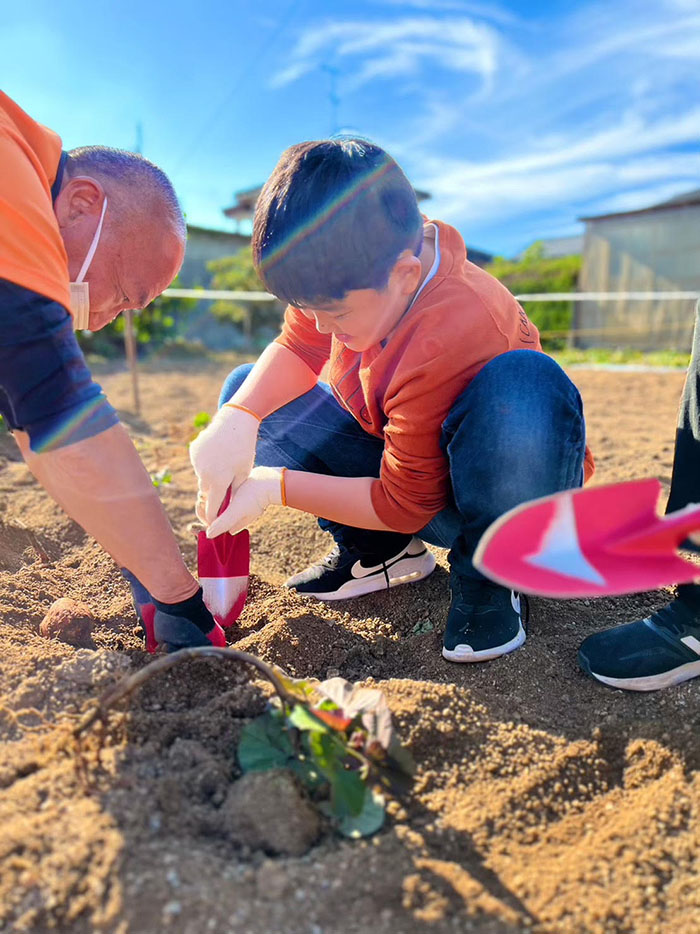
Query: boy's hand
264,487
222,455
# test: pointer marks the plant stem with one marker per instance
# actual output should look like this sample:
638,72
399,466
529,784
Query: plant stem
129,683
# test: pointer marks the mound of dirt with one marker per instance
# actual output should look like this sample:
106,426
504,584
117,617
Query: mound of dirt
543,801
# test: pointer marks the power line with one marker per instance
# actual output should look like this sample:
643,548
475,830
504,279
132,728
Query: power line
255,58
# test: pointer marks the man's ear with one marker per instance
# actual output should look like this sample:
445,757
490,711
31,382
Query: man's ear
407,271
79,199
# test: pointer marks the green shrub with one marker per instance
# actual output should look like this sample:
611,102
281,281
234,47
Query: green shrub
536,273
238,274
156,324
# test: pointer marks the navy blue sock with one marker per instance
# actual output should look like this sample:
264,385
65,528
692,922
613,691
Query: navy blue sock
193,609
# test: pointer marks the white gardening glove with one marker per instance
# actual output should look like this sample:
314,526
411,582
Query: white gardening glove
264,487
222,455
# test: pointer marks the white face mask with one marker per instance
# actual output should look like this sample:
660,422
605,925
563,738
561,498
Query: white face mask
79,290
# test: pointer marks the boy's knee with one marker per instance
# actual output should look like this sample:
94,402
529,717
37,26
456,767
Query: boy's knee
233,382
520,400
520,366
522,384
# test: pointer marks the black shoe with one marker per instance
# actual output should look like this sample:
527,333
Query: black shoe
484,621
649,654
347,572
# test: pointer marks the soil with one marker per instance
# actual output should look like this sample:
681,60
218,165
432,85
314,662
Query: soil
543,801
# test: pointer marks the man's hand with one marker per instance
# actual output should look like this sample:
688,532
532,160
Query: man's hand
176,625
222,455
264,487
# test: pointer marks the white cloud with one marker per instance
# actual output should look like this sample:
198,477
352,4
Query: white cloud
510,120
481,194
488,11
396,48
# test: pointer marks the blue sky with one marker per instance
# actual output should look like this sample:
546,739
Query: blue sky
518,117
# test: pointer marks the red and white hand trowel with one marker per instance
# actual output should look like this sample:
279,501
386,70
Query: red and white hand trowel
223,566
590,543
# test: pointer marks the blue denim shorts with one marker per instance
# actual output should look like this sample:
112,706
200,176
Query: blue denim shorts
45,385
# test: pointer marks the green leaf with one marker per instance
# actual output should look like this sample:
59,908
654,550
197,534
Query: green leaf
422,626
201,419
303,720
307,772
368,821
347,792
323,753
298,687
162,477
265,744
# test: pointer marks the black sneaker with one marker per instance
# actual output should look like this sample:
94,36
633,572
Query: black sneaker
649,654
484,621
347,572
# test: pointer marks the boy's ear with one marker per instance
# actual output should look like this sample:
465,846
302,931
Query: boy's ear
407,272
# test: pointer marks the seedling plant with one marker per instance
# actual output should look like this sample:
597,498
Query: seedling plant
337,738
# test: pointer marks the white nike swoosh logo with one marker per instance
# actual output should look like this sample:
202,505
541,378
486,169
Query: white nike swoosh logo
515,601
358,570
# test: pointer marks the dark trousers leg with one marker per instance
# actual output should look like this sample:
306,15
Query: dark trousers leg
516,433
685,479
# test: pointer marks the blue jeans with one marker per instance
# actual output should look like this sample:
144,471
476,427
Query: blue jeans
515,433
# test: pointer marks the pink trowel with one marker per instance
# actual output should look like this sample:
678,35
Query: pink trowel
590,543
223,566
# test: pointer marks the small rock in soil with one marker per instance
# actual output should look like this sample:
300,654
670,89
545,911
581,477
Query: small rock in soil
69,621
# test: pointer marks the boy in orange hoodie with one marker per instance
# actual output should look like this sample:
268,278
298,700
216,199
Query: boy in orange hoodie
441,411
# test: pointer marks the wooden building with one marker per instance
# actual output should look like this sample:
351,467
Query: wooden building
656,249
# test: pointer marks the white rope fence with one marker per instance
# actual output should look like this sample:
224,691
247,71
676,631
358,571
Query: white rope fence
606,296
220,294
234,296
242,296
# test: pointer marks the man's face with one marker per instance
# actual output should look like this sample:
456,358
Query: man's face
364,317
138,255
129,270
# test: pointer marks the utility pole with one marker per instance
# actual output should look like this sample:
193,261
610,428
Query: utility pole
333,97
139,138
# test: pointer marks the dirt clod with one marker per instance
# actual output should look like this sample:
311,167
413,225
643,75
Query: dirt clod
267,811
69,621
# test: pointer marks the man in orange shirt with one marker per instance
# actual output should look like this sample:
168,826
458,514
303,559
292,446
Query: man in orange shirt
442,411
84,235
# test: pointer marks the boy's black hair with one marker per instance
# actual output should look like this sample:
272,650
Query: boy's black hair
333,217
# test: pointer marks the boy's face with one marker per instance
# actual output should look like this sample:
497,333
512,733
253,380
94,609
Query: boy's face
364,317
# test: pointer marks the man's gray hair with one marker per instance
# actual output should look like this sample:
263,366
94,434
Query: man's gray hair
129,171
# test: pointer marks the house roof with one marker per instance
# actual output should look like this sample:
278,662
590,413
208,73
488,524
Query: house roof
679,201
212,232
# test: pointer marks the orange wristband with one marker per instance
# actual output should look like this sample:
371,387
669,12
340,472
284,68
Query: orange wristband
235,405
283,486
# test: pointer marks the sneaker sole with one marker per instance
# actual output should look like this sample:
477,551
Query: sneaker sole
465,653
650,682
406,571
